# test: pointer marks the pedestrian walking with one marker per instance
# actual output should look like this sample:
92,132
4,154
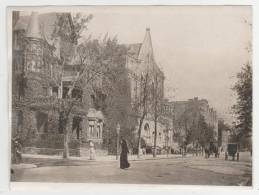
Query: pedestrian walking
124,155
92,151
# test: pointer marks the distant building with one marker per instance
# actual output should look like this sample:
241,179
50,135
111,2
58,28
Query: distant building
179,109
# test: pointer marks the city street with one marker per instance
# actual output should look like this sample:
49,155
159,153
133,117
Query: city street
189,170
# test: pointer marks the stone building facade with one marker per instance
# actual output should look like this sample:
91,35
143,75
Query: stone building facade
141,64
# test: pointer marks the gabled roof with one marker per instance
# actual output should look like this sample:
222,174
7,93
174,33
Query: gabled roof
144,55
133,49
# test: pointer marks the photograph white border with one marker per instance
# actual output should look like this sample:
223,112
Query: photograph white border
114,188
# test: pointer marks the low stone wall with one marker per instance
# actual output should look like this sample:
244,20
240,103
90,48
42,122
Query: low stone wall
49,151
51,144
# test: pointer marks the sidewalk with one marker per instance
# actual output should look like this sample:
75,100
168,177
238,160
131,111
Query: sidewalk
104,158
35,160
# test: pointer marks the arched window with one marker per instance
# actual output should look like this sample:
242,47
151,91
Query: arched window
160,137
147,129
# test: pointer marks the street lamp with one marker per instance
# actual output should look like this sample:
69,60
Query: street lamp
118,141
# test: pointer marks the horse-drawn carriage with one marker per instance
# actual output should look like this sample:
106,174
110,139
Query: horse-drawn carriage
232,150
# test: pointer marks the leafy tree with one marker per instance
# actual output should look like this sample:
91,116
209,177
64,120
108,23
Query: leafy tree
102,69
243,106
206,132
117,107
193,123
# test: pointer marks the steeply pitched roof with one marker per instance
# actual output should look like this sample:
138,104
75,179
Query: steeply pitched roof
146,50
143,53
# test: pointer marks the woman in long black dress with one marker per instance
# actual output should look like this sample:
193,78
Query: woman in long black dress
124,155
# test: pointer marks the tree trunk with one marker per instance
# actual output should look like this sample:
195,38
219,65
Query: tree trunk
155,115
155,138
139,135
66,140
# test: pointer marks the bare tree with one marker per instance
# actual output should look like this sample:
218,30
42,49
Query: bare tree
141,105
156,105
89,56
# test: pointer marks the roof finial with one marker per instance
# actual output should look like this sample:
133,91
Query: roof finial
146,47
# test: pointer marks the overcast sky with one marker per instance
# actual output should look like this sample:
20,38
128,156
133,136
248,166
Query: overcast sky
199,48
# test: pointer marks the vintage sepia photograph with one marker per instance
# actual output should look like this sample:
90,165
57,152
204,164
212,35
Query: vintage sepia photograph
131,94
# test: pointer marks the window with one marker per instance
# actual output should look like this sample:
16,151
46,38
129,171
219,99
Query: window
160,137
77,126
147,130
91,131
61,122
42,122
55,91
77,94
98,131
65,92
45,91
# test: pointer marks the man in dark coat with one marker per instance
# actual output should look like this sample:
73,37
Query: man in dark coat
124,155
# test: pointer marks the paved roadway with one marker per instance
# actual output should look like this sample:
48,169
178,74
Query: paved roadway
188,171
